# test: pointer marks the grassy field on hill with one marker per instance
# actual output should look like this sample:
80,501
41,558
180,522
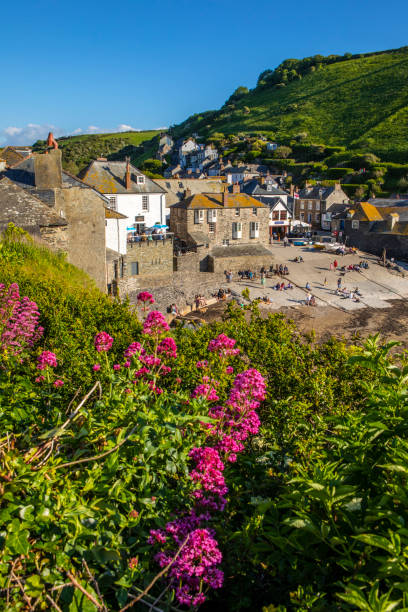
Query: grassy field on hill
361,103
78,151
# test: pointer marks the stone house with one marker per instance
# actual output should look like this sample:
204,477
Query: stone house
146,263
231,230
377,225
314,201
13,155
79,205
140,201
24,210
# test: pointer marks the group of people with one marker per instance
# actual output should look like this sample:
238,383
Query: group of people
310,300
281,270
298,259
246,274
282,286
223,293
200,301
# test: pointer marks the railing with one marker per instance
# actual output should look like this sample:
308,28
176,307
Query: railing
150,239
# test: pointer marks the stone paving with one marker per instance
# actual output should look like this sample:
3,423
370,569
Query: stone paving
377,284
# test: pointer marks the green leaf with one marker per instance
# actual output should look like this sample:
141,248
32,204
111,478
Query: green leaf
376,541
104,555
33,586
18,542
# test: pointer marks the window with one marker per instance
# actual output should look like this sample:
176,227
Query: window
254,229
237,212
254,211
309,217
355,224
198,216
113,202
134,268
317,206
310,206
283,215
236,230
211,216
317,215
275,215
302,206
211,228
145,202
225,242
302,216
140,180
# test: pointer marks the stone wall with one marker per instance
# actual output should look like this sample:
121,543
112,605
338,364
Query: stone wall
192,261
84,211
55,237
396,245
244,262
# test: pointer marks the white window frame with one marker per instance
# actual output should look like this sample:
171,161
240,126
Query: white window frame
237,212
198,216
145,203
254,229
211,216
140,180
302,206
236,230
310,206
254,211
211,227
113,202
132,265
355,224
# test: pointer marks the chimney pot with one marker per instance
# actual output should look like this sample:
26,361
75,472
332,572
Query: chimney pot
187,193
236,188
225,196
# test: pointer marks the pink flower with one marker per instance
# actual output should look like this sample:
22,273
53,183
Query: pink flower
155,324
206,391
229,370
96,367
116,367
223,345
58,383
134,349
145,296
103,342
133,562
40,379
168,347
47,358
202,364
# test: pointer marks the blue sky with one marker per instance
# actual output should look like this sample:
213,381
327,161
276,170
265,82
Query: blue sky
94,66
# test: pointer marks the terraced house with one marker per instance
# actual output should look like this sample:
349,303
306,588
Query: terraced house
231,229
314,202
139,200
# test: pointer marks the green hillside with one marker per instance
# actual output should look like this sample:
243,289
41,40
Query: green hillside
360,102
78,151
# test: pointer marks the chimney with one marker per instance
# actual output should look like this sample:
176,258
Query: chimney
225,196
337,186
187,193
48,169
128,179
51,142
262,180
236,188
292,189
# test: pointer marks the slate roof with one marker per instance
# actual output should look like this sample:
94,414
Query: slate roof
255,189
215,200
175,188
380,202
316,193
23,175
23,209
236,170
11,156
109,177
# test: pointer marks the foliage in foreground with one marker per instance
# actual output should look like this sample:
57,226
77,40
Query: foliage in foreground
316,508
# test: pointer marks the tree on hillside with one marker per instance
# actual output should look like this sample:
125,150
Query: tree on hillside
282,152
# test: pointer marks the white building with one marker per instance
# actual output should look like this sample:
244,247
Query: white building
131,193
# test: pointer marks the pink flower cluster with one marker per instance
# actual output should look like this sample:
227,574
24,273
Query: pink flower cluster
145,296
207,391
223,345
18,320
196,568
134,349
196,565
155,324
47,359
168,347
103,342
